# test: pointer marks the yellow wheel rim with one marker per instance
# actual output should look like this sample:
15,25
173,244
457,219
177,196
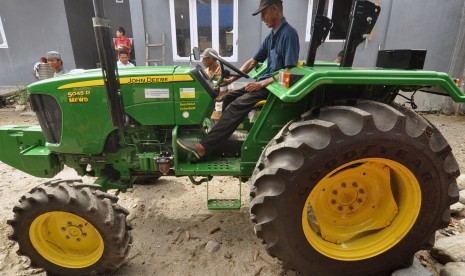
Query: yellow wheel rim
361,209
66,240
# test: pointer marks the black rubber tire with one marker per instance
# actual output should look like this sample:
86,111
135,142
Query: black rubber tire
84,201
309,148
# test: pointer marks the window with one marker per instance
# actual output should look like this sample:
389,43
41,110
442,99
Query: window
3,43
204,24
338,11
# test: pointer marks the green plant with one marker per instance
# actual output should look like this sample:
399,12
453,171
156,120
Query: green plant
22,94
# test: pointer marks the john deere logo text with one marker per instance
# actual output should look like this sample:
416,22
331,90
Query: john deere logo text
148,80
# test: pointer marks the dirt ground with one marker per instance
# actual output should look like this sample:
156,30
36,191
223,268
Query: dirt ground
172,224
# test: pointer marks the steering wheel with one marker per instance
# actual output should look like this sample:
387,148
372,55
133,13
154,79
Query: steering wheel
230,66
204,80
202,73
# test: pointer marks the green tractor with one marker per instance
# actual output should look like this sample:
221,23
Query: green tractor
344,180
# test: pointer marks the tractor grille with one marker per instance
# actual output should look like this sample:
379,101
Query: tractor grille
49,115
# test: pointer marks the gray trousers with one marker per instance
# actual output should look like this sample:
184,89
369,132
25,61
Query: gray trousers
236,105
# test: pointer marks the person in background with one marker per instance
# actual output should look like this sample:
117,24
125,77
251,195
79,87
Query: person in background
35,71
123,61
281,49
213,71
55,61
122,42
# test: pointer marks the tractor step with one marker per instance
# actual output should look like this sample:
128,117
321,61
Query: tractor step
220,167
223,203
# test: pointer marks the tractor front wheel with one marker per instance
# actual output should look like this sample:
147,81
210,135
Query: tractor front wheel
69,228
353,190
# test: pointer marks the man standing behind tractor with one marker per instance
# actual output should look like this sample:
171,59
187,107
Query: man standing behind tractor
213,71
281,49
55,61
123,60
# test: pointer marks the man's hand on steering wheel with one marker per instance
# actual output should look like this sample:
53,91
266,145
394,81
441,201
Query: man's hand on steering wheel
228,81
236,70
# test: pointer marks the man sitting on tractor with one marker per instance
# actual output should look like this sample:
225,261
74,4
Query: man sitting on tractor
281,49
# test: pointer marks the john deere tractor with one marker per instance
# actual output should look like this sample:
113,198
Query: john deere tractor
344,180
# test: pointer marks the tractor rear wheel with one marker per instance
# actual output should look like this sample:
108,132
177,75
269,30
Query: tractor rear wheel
353,190
71,229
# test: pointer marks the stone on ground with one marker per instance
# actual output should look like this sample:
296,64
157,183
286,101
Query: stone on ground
450,249
212,247
453,269
461,182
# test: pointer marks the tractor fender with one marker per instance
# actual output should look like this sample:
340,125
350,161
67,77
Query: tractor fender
307,79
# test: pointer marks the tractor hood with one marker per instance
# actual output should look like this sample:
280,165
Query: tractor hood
93,77
74,111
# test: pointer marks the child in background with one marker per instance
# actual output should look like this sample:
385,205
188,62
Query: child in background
122,42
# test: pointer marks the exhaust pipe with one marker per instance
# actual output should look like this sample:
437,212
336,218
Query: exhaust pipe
320,29
108,63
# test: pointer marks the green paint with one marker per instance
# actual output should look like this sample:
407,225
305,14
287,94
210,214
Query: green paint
24,149
163,103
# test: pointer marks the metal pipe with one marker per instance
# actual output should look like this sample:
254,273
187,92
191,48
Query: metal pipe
320,29
98,9
363,18
108,63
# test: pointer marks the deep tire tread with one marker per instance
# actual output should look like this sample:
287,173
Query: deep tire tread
93,205
86,201
341,122
109,219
